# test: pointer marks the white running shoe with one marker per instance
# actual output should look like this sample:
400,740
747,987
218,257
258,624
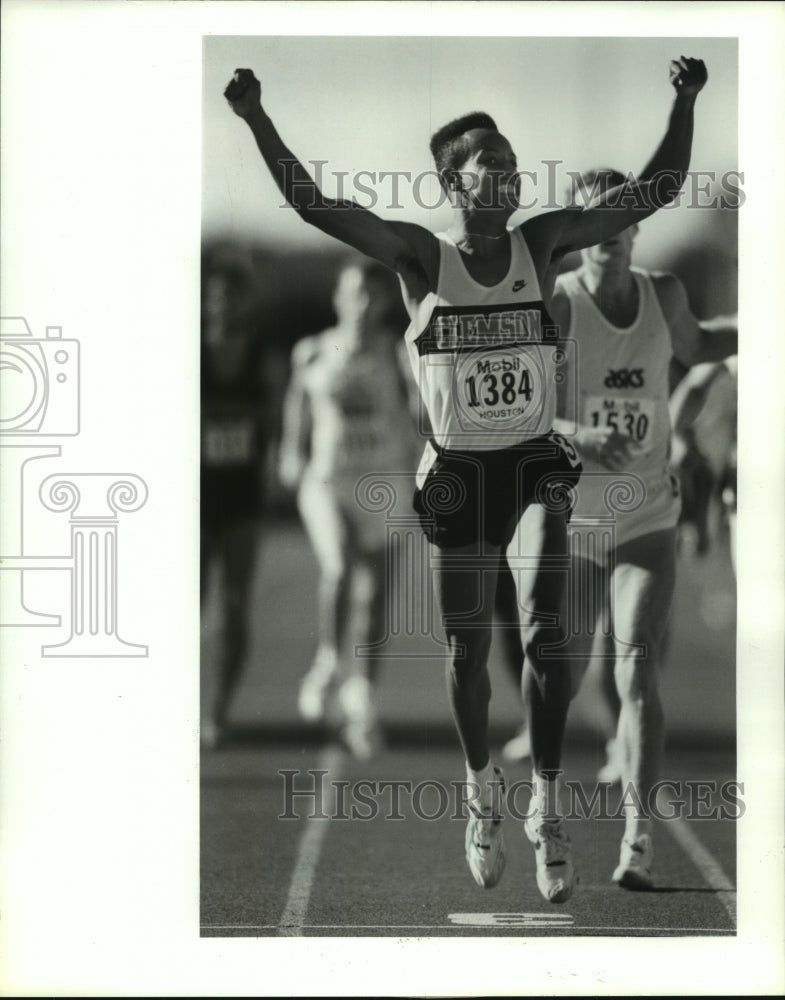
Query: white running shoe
317,686
519,747
635,861
556,876
213,735
484,842
611,771
361,731
363,741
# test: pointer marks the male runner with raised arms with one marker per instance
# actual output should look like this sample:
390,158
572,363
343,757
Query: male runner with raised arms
347,413
494,477
628,324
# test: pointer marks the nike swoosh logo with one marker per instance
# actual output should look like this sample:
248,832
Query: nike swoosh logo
519,284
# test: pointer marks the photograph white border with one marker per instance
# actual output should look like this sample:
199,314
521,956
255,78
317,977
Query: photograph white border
101,168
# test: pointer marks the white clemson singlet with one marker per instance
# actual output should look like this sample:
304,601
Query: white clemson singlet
483,357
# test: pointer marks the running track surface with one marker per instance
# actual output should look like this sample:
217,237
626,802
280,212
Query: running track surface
262,875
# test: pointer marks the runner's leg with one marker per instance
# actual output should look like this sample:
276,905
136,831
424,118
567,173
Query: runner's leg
327,532
372,607
541,539
465,585
239,546
540,536
641,594
507,629
361,732
591,649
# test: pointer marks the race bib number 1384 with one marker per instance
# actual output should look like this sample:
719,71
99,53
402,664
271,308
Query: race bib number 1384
498,387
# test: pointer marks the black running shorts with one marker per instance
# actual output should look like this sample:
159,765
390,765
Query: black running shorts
468,496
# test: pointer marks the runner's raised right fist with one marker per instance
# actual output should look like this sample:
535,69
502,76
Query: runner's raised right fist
688,76
243,92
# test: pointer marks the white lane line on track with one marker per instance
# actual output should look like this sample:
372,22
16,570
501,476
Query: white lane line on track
706,864
292,920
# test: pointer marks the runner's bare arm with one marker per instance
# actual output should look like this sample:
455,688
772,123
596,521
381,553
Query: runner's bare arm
574,228
694,341
400,246
560,311
690,395
296,419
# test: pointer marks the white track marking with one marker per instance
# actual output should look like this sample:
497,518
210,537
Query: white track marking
292,922
293,918
706,864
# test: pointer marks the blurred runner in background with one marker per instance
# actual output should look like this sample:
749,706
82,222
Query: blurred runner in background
237,425
346,414
704,411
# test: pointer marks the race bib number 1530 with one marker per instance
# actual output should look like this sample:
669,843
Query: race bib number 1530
633,417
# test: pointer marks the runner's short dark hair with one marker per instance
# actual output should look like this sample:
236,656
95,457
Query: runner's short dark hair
449,146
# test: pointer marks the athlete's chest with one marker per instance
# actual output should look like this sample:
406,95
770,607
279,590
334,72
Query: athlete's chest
486,269
623,382
620,315
637,364
623,345
352,387
621,308
505,276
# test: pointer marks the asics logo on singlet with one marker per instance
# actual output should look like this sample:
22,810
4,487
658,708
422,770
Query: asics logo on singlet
519,284
625,378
